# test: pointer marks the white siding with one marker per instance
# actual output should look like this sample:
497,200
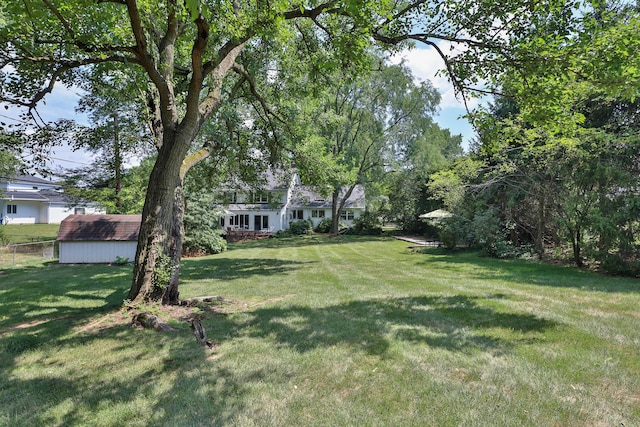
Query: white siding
26,212
28,186
95,252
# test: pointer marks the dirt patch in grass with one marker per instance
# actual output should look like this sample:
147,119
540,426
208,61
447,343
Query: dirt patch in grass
23,325
175,314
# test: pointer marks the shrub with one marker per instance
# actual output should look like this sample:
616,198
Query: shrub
121,260
367,223
204,241
324,226
301,227
202,233
616,265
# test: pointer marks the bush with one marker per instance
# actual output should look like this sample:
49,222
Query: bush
204,241
301,227
367,224
324,226
283,233
202,233
616,265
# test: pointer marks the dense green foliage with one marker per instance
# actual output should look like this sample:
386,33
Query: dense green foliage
324,226
300,227
202,232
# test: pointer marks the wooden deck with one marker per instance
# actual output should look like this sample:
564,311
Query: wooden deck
243,235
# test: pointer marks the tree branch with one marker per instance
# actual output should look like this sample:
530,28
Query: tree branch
168,109
231,52
254,91
58,15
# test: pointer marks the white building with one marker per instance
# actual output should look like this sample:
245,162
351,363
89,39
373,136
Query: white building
98,238
32,200
280,200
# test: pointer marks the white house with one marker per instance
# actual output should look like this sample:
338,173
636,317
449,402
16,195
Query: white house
32,200
280,200
85,239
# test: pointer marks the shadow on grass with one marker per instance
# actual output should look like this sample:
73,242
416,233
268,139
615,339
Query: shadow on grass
54,372
456,323
148,378
525,272
304,240
224,268
57,293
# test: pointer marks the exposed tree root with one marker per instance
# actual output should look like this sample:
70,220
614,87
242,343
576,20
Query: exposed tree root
191,302
151,321
200,333
183,311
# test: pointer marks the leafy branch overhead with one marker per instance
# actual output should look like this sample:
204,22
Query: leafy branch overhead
185,47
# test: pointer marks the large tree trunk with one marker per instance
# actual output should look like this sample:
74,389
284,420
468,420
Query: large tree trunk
153,265
335,213
171,294
539,237
337,207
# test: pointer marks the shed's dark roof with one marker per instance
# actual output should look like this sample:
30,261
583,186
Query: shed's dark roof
100,227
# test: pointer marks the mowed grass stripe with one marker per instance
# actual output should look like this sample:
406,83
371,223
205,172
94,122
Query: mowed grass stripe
327,331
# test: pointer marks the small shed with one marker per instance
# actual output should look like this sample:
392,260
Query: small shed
86,239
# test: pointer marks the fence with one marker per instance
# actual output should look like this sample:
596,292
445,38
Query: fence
25,252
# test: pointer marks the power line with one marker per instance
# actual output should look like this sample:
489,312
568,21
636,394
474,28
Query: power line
70,161
14,119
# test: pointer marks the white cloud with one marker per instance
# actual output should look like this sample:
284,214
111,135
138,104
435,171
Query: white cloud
425,63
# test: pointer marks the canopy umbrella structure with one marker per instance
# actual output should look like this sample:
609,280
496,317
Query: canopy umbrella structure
437,214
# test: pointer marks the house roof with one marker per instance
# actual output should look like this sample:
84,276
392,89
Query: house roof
306,197
47,195
267,180
28,179
100,228
23,195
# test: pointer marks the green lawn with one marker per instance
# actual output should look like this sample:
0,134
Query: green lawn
26,233
327,332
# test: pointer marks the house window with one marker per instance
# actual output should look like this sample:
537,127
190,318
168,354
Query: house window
79,211
239,221
261,197
346,214
317,213
261,222
230,197
11,209
297,214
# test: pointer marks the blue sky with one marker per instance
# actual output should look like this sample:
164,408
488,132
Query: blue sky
424,63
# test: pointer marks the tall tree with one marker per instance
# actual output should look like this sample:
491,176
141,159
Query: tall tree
192,54
361,124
